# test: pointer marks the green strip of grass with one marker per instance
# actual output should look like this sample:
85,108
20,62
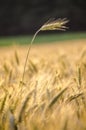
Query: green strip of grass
12,40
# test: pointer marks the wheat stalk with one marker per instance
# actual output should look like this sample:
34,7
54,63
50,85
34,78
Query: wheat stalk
58,24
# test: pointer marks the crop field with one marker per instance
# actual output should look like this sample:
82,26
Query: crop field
53,93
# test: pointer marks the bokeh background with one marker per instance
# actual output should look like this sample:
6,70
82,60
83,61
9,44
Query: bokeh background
20,17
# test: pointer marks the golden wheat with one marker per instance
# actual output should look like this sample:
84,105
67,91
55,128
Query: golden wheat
54,25
53,96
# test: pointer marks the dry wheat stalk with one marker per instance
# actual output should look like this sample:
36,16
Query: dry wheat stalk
58,24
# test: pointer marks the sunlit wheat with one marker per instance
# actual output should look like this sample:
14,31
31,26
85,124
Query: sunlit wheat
58,24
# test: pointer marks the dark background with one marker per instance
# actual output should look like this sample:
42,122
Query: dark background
26,16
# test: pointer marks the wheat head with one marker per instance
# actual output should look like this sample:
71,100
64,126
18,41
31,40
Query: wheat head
58,24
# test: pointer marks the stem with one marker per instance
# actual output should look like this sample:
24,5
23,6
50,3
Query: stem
28,52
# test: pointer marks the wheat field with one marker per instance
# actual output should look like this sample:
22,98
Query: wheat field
53,93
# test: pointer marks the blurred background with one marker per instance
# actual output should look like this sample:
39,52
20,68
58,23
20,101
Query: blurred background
26,16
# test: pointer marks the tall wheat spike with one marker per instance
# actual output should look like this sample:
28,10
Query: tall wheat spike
58,24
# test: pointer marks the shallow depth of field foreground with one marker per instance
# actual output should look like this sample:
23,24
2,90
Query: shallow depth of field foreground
53,94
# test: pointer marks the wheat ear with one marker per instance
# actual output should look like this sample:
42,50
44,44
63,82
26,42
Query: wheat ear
58,24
